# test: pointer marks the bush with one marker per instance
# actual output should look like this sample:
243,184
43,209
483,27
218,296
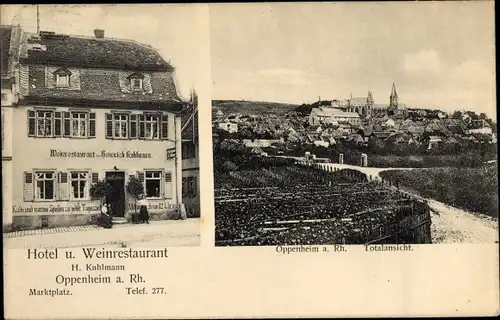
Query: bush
100,190
454,186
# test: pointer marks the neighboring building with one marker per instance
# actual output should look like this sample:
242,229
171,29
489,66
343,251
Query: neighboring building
10,38
362,106
261,143
90,109
191,159
229,127
479,126
434,141
327,115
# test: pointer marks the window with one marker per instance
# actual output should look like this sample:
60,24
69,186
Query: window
45,185
62,80
48,123
120,124
44,123
62,77
136,126
79,124
79,185
152,127
153,184
136,81
188,150
136,84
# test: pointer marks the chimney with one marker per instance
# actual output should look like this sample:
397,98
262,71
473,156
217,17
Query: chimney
99,33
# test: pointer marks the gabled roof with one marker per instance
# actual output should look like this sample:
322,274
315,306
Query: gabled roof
64,50
381,135
478,124
359,101
10,40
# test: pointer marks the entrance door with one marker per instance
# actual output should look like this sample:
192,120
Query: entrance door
117,199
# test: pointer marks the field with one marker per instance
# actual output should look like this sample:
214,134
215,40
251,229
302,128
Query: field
252,107
472,189
292,205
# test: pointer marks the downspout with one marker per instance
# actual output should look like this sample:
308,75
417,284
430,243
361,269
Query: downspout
178,167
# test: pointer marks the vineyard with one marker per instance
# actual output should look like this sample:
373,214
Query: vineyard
293,205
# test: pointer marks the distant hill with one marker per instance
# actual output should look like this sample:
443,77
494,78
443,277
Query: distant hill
252,107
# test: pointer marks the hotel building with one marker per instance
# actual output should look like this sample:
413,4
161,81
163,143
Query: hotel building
90,109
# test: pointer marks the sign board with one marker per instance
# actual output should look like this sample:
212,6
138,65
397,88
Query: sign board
170,153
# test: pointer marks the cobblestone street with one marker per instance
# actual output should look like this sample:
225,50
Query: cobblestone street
157,233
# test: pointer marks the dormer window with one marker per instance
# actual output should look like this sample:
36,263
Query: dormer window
62,78
136,80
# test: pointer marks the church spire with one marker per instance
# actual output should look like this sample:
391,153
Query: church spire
393,92
393,99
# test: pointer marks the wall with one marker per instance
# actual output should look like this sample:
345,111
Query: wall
192,203
191,168
7,132
35,153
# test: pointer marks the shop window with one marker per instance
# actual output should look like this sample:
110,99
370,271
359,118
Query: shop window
45,184
152,184
79,181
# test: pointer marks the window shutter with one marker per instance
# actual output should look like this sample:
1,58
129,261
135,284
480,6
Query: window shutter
133,126
95,177
140,177
67,124
31,123
168,185
142,127
92,125
164,126
109,126
195,186
28,186
58,124
184,186
63,186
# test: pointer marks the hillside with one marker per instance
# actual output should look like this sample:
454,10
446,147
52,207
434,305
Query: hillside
252,107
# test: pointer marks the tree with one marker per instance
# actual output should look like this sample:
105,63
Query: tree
456,115
100,190
135,188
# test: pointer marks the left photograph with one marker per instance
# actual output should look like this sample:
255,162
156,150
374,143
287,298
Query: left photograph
99,126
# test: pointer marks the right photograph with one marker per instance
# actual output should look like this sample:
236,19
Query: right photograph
354,123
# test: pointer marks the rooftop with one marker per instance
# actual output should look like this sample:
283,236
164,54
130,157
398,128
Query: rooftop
65,50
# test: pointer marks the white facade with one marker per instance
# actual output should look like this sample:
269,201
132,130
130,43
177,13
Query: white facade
323,115
229,127
55,183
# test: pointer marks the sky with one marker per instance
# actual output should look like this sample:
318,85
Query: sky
171,29
439,55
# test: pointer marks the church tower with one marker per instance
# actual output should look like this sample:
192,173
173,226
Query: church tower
393,99
369,104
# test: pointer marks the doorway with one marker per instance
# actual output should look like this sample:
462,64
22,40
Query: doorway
117,198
